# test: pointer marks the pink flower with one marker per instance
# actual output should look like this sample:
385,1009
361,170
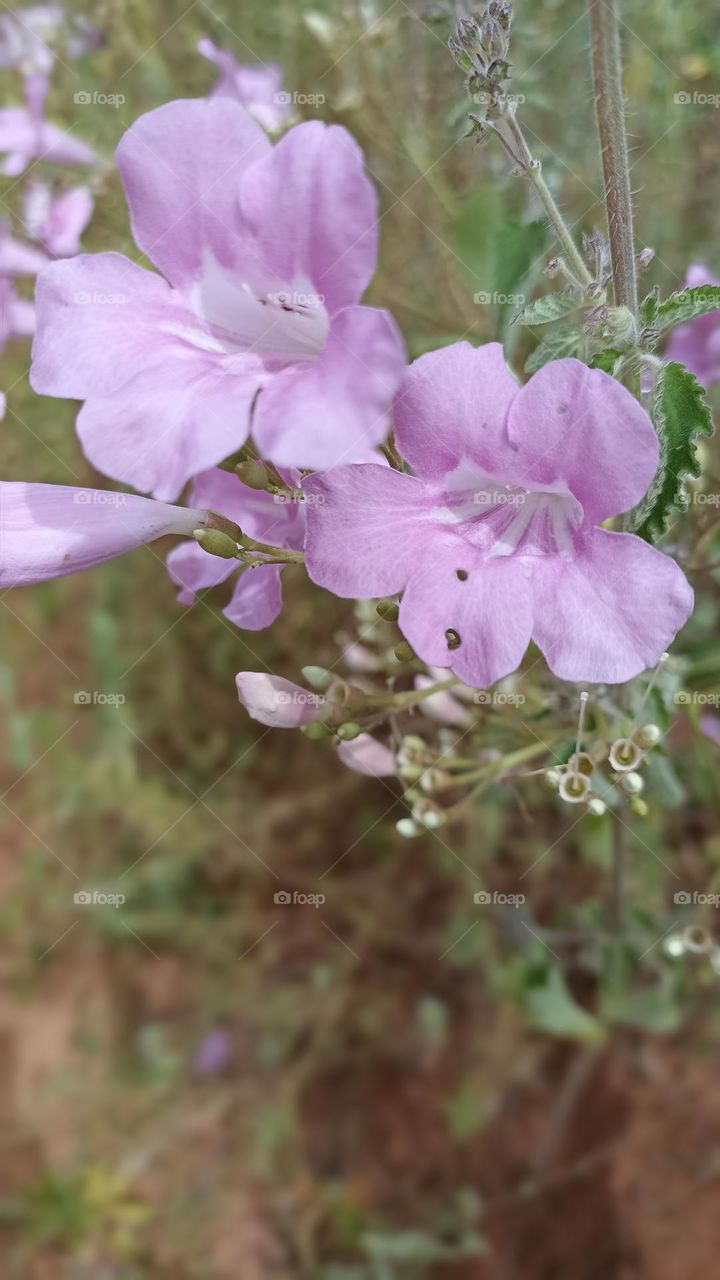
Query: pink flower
697,344
16,258
264,253
57,222
275,701
257,597
257,87
51,530
29,37
494,541
25,134
366,755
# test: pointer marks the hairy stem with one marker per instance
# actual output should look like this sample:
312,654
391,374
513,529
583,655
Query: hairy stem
609,109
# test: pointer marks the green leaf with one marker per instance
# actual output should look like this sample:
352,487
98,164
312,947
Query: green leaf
648,308
681,415
553,306
552,1009
686,305
517,248
557,345
605,360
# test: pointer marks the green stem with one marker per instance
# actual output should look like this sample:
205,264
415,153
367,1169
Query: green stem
609,109
533,169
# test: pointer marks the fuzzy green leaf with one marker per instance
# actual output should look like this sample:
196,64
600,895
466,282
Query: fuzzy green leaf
553,306
681,417
557,346
605,360
686,305
648,308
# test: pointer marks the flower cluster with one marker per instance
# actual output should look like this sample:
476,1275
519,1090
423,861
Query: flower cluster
246,372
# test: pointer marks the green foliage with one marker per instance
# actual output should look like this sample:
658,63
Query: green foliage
681,416
688,304
557,346
551,1007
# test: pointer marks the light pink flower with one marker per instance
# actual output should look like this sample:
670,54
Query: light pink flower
16,258
366,755
264,253
26,136
51,530
494,541
697,344
258,87
57,222
30,36
257,596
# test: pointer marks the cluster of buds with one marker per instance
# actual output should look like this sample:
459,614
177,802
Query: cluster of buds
480,47
695,940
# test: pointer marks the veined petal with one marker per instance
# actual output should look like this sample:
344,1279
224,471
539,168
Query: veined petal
336,409
365,529
580,426
612,611
181,165
366,755
453,406
49,530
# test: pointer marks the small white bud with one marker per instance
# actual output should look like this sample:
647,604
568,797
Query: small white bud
407,828
597,807
647,736
674,945
553,778
632,783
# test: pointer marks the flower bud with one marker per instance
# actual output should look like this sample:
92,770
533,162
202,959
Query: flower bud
407,828
216,543
403,652
647,736
317,677
388,610
596,807
252,473
639,806
316,730
349,730
632,783
553,778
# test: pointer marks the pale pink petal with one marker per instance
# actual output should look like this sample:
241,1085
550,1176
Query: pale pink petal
366,529
611,611
579,426
70,214
442,706
366,755
257,598
314,212
181,166
275,701
453,407
336,409
193,570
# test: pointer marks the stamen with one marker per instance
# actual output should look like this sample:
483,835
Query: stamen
578,739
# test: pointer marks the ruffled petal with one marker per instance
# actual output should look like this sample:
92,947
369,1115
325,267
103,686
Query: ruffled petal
490,611
580,426
275,701
612,611
181,165
313,211
366,529
336,409
453,406
49,530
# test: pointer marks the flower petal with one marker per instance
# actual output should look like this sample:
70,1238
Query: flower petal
334,410
365,529
366,755
180,166
453,406
275,701
612,611
50,530
580,426
314,212
490,611
257,599
193,570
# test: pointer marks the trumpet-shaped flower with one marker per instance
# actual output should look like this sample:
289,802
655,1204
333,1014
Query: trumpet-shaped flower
257,596
264,253
52,530
495,540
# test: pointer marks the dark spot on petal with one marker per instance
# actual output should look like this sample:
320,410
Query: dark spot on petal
562,408
462,574
453,638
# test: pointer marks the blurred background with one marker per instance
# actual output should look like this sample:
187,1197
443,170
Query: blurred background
204,1084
